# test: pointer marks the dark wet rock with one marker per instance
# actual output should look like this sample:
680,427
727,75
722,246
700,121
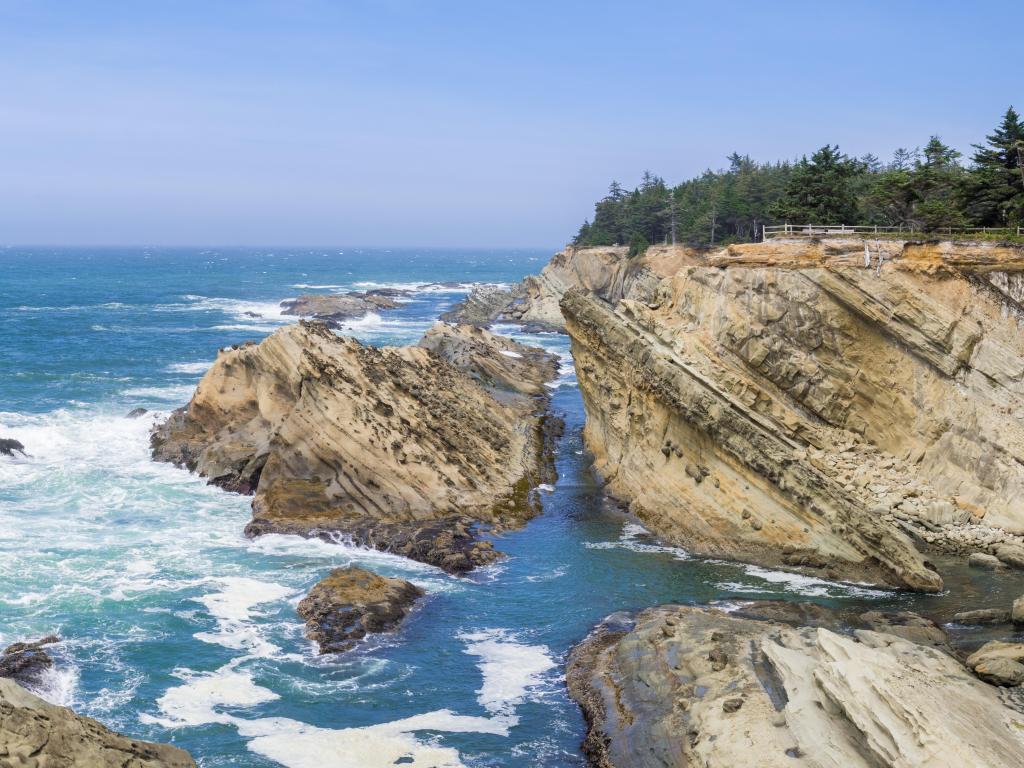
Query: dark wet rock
983,616
351,603
451,543
335,308
25,662
9,446
36,734
135,413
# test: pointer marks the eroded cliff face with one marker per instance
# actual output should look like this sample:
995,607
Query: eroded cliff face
605,271
681,686
802,404
405,449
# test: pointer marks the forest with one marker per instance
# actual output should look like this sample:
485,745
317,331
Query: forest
919,189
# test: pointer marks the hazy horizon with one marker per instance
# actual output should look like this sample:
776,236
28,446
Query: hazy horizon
402,124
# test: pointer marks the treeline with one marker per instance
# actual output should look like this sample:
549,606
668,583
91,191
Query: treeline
923,189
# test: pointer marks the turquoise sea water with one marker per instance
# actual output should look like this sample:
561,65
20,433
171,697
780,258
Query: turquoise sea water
177,628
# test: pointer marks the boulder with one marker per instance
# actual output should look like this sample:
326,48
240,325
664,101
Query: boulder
1017,611
135,413
984,560
36,734
352,602
997,662
8,446
26,662
983,616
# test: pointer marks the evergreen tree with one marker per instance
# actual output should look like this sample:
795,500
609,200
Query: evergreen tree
821,190
935,185
995,189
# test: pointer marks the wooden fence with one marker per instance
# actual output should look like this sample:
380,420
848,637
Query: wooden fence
833,230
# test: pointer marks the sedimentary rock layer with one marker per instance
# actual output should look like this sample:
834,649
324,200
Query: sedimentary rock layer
35,733
406,449
804,413
682,686
606,271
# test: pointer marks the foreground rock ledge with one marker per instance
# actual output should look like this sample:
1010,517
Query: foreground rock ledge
682,686
352,602
415,450
35,733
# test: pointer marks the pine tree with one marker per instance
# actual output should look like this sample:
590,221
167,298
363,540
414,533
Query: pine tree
821,190
995,189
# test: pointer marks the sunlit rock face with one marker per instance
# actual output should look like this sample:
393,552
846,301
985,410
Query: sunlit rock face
809,404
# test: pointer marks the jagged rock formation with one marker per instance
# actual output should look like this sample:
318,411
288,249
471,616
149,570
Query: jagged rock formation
803,404
350,603
683,686
405,449
334,308
26,662
9,446
35,734
606,271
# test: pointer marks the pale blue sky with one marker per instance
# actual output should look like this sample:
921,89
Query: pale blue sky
452,123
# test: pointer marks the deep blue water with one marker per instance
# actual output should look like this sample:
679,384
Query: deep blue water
177,628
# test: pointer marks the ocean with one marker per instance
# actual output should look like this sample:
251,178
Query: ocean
177,628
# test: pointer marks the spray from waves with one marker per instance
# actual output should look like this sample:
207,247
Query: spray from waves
197,367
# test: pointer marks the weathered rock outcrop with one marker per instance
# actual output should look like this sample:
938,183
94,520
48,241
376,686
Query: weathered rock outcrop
26,662
405,449
9,446
352,602
605,271
682,686
35,734
334,308
804,404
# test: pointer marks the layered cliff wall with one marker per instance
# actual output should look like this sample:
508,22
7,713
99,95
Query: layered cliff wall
605,271
803,404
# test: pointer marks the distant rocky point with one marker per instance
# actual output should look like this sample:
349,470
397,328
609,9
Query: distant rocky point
334,308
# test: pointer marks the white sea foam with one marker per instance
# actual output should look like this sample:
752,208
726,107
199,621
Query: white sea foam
198,700
509,353
798,583
175,394
199,367
630,539
510,669
233,608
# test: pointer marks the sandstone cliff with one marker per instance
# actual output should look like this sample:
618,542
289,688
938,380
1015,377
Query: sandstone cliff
405,449
606,271
803,404
34,734
682,686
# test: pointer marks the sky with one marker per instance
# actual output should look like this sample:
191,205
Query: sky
416,123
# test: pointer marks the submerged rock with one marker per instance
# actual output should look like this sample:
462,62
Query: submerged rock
417,450
688,686
984,560
135,413
35,733
352,602
335,308
26,662
8,446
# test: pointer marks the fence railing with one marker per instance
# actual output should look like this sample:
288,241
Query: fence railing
826,230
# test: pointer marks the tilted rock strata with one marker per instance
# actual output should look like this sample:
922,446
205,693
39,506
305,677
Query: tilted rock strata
707,470
684,686
34,733
352,602
896,389
606,271
396,448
